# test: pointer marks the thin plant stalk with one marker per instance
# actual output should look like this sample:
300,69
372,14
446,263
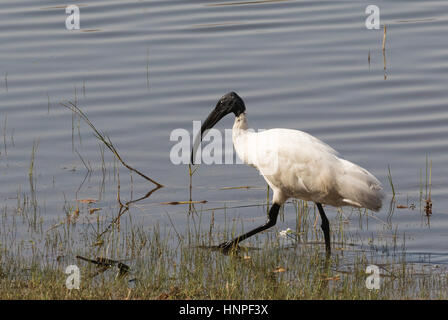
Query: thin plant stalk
106,140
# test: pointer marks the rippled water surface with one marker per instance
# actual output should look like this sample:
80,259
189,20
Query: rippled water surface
140,69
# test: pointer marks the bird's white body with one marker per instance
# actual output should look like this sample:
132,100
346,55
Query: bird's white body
298,165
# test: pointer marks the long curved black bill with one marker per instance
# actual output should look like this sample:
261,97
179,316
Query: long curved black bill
212,119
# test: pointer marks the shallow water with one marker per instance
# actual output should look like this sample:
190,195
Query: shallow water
140,69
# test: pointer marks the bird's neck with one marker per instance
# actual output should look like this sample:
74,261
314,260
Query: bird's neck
240,137
240,123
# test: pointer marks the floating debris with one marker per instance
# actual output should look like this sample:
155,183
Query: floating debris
335,278
88,200
284,233
242,187
428,206
279,269
93,210
183,202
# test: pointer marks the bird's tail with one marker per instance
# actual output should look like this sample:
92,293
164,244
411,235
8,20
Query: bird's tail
359,188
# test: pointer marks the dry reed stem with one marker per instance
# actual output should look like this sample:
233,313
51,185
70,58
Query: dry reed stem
106,140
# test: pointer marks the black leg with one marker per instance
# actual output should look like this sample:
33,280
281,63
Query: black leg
325,228
272,219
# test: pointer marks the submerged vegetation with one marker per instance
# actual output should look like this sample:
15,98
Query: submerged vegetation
133,262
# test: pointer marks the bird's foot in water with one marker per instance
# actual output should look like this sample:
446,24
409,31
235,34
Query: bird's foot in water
228,246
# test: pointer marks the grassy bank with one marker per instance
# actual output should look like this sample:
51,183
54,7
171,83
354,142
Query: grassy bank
166,264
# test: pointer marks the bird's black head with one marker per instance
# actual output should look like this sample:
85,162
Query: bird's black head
228,103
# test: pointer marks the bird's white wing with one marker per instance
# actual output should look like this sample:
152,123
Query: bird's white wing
295,162
358,187
302,166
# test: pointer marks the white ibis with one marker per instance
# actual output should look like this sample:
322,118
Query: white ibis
295,165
